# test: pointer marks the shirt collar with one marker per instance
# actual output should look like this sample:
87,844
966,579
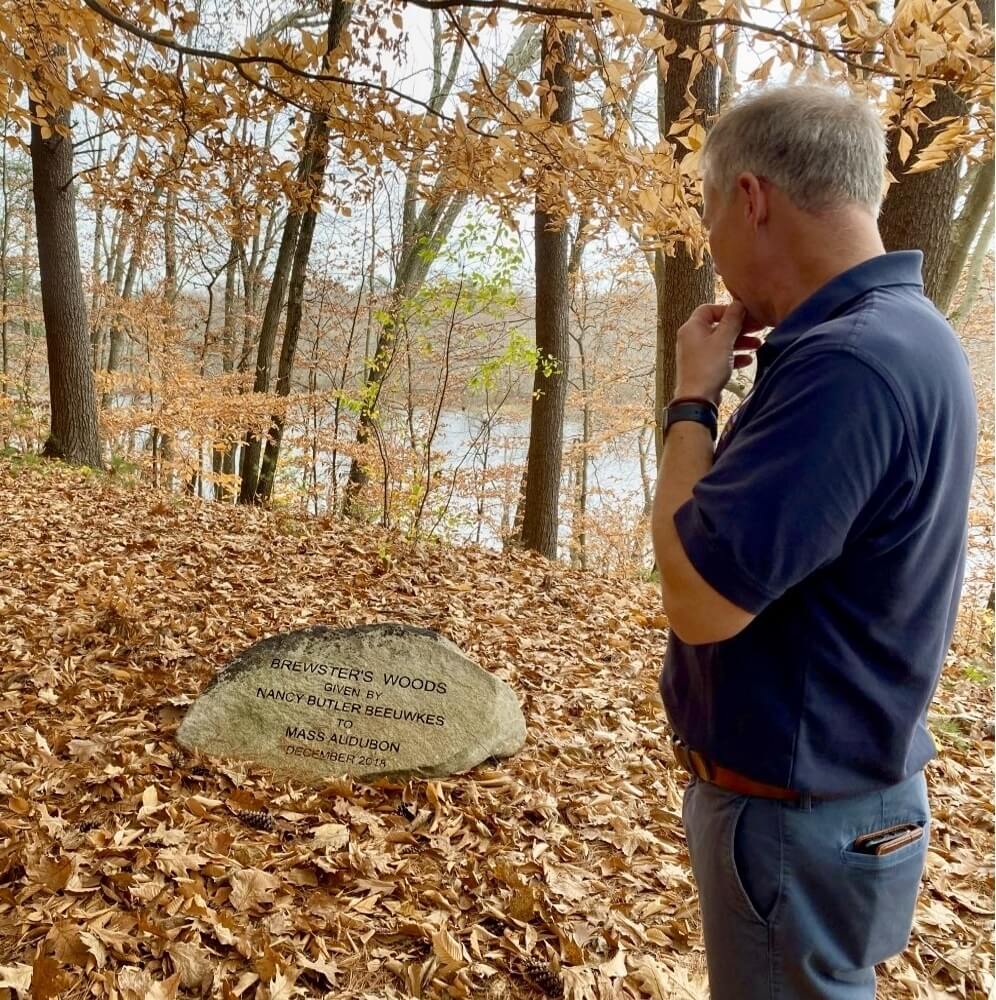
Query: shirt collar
901,267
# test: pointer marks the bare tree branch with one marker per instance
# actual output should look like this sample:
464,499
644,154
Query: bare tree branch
240,61
660,15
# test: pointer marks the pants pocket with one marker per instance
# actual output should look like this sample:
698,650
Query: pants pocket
756,856
883,892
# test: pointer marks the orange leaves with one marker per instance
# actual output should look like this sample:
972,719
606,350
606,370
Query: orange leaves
625,14
53,874
192,104
251,888
48,978
952,138
135,873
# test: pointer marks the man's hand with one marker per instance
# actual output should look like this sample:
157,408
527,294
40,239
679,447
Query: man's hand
707,348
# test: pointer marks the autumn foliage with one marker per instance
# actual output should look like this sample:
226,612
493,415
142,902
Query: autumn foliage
130,870
308,232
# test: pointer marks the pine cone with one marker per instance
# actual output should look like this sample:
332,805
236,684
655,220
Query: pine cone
545,978
258,820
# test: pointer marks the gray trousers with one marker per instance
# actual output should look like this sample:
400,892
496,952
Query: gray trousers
789,911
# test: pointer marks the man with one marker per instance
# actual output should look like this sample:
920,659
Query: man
810,567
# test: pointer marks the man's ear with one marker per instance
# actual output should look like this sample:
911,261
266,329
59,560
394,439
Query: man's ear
755,194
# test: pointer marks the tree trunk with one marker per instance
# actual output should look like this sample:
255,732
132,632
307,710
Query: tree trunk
98,246
169,246
581,547
127,289
544,458
728,74
681,286
965,231
4,281
113,277
423,233
295,306
974,277
251,447
73,435
250,491
919,208
224,458
27,242
646,479
431,228
116,338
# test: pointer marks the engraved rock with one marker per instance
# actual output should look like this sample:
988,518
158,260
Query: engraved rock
371,701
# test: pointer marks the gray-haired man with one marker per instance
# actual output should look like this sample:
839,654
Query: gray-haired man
811,565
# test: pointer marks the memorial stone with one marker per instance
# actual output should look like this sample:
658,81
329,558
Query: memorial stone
371,701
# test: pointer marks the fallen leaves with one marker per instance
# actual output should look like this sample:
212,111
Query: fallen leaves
16,977
139,874
251,887
330,836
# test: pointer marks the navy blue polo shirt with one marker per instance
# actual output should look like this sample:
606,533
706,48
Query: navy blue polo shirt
836,511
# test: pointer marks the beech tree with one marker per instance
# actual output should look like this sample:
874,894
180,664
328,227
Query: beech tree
72,392
426,222
544,461
294,255
687,279
208,146
926,155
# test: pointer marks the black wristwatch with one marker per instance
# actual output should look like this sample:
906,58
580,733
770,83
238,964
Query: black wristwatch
701,413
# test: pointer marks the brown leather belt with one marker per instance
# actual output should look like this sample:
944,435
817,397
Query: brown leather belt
693,762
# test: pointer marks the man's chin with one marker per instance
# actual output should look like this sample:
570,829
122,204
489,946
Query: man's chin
751,322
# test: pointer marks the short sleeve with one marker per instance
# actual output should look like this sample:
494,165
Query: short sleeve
781,499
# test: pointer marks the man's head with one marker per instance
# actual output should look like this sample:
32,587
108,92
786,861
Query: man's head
793,175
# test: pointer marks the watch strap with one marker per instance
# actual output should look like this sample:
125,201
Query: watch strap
696,399
698,412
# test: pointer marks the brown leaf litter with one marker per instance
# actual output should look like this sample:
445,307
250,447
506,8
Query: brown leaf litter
129,870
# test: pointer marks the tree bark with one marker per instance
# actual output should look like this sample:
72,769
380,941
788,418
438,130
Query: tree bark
251,446
919,208
73,435
4,281
315,152
127,289
169,246
974,276
295,307
27,241
681,285
226,463
965,231
728,75
544,458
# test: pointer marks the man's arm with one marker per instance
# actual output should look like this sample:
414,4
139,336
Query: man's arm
697,613
706,356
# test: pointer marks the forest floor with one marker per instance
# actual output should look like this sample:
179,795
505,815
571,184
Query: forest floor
125,870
